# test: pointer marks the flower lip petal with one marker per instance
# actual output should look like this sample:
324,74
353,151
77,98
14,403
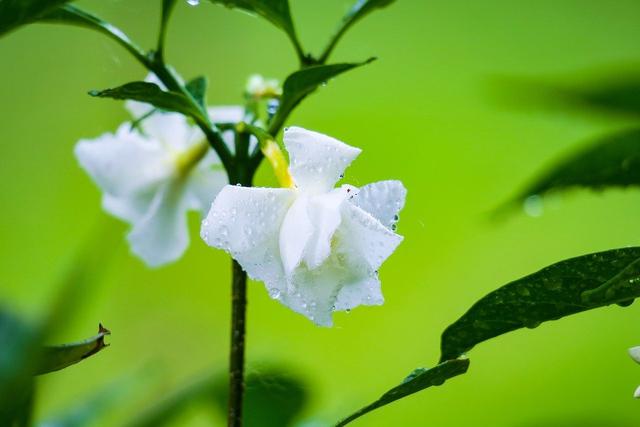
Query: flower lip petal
295,234
317,161
383,200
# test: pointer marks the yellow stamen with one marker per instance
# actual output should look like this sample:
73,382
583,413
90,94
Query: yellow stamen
274,155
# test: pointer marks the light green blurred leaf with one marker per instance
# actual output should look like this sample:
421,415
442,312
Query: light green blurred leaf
198,89
567,287
54,358
152,94
418,380
359,10
303,82
71,15
610,161
14,13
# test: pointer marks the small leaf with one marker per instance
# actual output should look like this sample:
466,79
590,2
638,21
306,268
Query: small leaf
71,15
568,287
303,82
275,11
418,380
198,89
54,358
14,13
152,94
611,161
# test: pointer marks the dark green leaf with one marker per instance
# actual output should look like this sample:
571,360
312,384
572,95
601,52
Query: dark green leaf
275,11
54,358
418,380
167,8
152,94
359,10
303,82
568,287
198,89
71,15
14,13
611,161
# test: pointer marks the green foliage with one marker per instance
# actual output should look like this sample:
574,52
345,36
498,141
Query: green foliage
198,89
568,287
15,13
275,11
611,161
418,380
54,358
303,82
152,94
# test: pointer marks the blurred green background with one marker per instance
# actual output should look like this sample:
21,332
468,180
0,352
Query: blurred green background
422,114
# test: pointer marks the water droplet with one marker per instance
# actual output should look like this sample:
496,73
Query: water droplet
274,293
533,206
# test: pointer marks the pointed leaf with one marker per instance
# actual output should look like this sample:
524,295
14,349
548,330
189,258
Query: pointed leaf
303,82
152,94
198,89
14,13
71,15
418,380
54,358
568,287
611,161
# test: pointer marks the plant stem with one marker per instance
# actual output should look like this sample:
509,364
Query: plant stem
236,354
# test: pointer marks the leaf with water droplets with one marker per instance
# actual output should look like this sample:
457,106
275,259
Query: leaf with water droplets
418,380
15,13
303,82
567,287
612,161
154,95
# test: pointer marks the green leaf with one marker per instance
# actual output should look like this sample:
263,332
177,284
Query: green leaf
418,380
303,82
198,89
167,8
359,10
152,94
275,11
71,15
54,358
611,161
568,287
14,13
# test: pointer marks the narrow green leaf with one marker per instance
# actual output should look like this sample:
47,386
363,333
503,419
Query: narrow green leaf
418,380
167,8
611,161
198,89
54,358
303,82
71,15
154,95
568,287
359,10
275,11
14,13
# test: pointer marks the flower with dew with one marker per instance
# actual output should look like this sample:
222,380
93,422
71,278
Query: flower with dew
317,248
153,171
634,352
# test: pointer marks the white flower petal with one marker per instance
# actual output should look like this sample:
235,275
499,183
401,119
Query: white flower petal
295,233
226,113
636,394
205,182
363,236
317,161
245,222
124,163
130,209
162,235
172,130
362,292
634,352
383,200
324,212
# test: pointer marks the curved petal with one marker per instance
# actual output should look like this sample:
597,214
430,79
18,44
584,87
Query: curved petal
130,209
161,236
124,163
172,130
245,222
205,182
317,161
383,200
295,233
360,292
363,237
324,212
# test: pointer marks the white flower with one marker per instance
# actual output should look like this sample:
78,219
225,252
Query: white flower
259,87
634,352
152,175
317,248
